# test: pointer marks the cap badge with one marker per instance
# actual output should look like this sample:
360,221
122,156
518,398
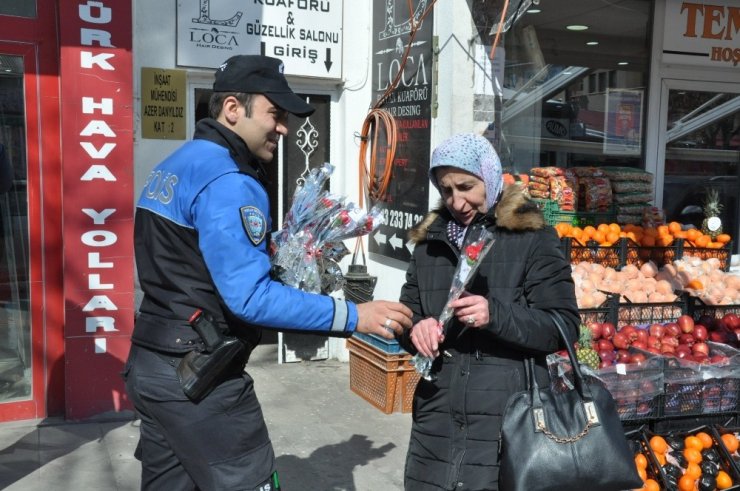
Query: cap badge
281,68
254,223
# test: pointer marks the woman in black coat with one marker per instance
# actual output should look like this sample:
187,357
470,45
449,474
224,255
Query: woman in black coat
501,320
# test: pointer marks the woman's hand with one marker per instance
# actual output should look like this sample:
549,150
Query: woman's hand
426,336
471,310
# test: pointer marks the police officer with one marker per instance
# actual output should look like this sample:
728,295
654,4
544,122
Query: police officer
201,242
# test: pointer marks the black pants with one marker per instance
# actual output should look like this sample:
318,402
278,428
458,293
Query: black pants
220,443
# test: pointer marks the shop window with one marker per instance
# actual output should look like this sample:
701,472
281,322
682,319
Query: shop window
18,8
15,342
574,97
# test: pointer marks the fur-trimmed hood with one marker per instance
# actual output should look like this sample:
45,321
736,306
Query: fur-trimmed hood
514,211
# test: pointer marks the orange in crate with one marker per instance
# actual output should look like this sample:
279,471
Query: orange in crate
385,380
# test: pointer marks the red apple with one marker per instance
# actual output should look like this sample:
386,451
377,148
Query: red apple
700,348
683,351
642,336
700,332
700,358
657,330
654,342
650,349
718,359
686,323
672,329
630,331
718,336
605,364
620,341
639,358
670,340
608,330
607,355
686,339
667,349
595,328
731,320
623,356
605,344
640,345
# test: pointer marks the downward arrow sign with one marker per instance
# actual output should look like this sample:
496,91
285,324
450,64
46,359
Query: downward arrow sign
328,62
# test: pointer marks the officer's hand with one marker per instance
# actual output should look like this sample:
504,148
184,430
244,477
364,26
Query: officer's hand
383,318
426,336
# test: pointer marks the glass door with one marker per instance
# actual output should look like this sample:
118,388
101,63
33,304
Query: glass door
701,153
15,336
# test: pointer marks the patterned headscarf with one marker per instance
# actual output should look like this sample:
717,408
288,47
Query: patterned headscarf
471,153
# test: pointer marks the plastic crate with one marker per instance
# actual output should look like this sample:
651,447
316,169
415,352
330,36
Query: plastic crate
553,214
660,255
725,463
720,430
606,312
387,381
696,389
607,256
385,345
698,308
724,254
644,314
638,443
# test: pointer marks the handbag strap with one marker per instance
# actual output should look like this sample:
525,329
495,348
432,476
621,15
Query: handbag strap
583,390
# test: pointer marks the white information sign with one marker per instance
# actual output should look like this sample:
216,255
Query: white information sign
305,34
699,33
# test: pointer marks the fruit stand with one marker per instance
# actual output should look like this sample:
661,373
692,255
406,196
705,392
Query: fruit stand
660,320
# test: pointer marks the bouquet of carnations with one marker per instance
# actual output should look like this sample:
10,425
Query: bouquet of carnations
476,245
309,245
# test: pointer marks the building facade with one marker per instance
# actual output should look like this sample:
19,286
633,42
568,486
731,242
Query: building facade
93,94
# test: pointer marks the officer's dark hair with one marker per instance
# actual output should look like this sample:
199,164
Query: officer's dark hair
218,98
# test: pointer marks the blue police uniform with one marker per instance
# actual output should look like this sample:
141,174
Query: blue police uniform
201,241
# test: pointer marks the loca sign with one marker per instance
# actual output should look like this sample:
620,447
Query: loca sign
97,159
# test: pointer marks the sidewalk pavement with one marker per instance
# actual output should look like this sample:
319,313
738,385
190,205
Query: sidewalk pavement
326,438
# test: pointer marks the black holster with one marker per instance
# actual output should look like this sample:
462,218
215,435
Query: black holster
201,371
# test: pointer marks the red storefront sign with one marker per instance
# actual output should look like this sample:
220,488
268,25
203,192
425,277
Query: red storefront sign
97,165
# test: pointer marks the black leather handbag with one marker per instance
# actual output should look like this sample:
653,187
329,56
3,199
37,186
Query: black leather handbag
564,441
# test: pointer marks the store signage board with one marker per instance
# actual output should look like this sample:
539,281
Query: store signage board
96,73
411,105
702,34
305,34
163,100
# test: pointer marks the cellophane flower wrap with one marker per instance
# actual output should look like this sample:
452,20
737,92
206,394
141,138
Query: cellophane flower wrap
476,245
305,252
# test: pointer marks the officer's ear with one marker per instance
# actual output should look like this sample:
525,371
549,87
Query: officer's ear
230,109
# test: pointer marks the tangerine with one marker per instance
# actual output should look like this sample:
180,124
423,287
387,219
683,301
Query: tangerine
692,234
692,441
661,458
641,461
674,227
589,231
658,444
642,473
723,238
663,230
603,228
706,440
702,240
724,480
731,442
692,455
693,470
686,483
614,227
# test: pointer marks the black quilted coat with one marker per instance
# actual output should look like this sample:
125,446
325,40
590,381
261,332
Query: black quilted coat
454,441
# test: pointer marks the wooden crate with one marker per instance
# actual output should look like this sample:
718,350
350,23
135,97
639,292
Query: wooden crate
385,380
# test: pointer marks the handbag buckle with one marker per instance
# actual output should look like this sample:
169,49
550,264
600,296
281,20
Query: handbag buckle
539,418
591,415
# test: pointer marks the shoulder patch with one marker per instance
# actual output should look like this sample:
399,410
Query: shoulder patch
254,223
